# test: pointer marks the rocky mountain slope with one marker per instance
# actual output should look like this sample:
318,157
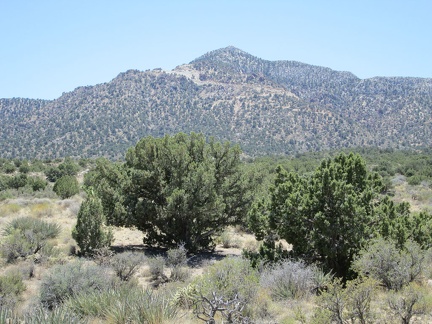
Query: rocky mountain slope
268,107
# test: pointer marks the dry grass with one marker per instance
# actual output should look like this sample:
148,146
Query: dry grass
419,197
9,209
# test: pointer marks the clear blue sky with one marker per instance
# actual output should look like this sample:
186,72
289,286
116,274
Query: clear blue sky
50,47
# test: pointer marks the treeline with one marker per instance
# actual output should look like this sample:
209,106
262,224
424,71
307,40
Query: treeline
39,177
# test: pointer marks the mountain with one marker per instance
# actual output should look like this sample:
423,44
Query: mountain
268,107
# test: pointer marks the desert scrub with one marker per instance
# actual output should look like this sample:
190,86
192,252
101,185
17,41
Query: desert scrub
227,240
58,315
11,287
231,281
43,229
157,267
392,266
349,304
27,236
125,304
126,264
41,209
68,280
176,257
229,277
9,209
177,260
410,302
293,279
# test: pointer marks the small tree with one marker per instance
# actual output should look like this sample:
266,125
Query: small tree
66,187
89,232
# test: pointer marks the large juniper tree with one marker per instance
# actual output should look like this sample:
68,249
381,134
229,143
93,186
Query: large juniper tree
326,216
176,189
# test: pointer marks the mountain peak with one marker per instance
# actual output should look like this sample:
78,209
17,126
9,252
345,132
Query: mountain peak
229,59
225,55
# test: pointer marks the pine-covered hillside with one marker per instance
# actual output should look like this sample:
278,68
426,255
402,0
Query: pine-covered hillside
276,107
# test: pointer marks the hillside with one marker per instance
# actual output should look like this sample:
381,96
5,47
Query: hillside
268,107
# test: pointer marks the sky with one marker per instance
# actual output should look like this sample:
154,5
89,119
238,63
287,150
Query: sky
51,47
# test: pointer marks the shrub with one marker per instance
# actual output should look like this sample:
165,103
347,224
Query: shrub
409,302
180,274
68,280
345,305
11,286
18,181
157,266
229,277
125,304
7,315
4,182
58,315
37,184
227,240
53,174
126,264
102,256
177,257
27,236
24,167
89,231
66,187
43,229
9,167
393,267
68,167
293,279
231,283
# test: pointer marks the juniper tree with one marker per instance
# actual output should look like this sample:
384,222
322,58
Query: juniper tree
90,232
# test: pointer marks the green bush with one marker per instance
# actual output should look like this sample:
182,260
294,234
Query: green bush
53,174
9,167
71,279
37,183
4,182
89,231
66,187
24,167
69,167
325,215
17,181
